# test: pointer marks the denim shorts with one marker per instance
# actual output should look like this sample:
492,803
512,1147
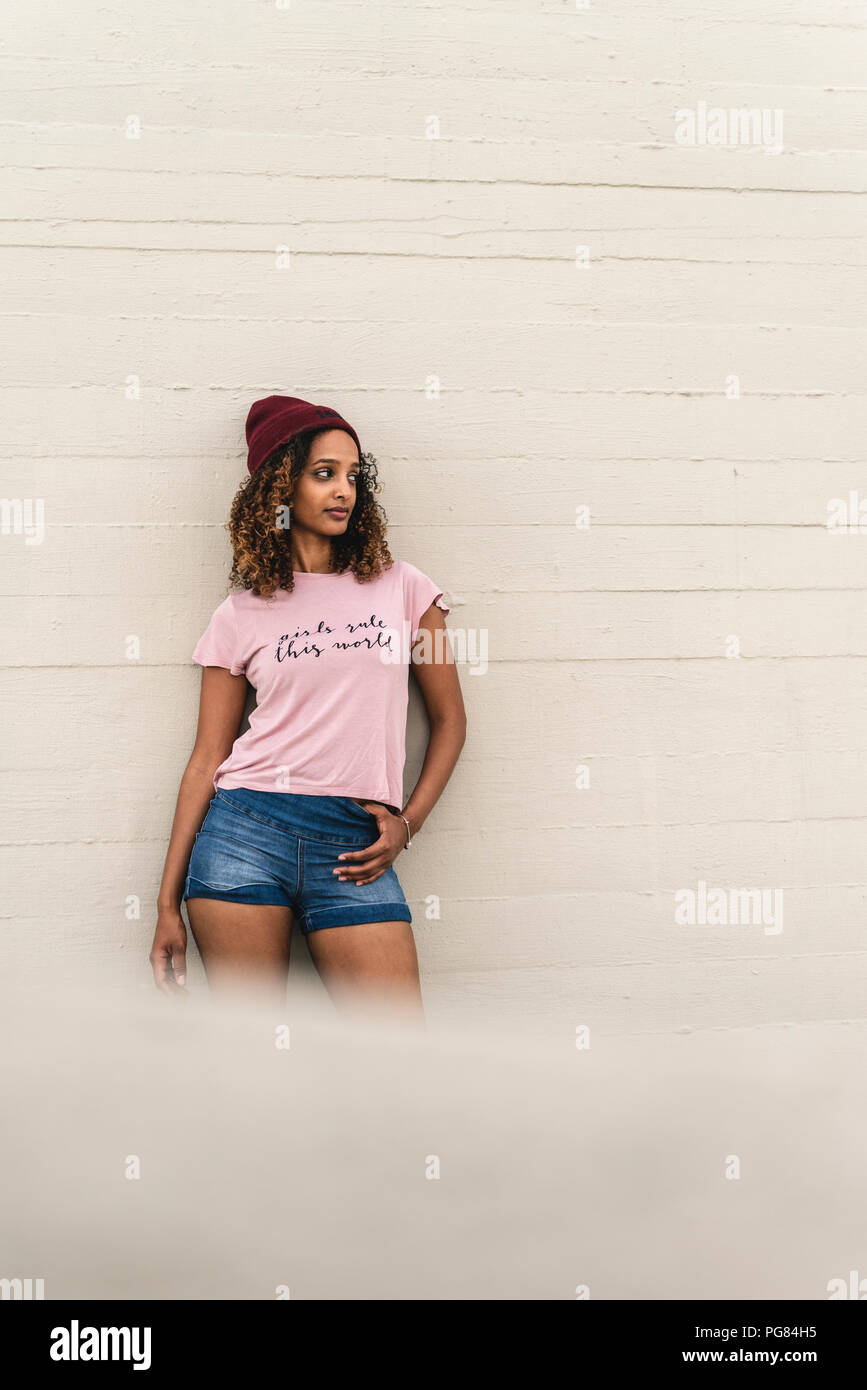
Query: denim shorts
281,847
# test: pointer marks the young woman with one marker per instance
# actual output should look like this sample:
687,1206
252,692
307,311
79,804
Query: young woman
300,818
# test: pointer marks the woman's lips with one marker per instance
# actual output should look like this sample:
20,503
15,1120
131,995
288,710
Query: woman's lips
339,512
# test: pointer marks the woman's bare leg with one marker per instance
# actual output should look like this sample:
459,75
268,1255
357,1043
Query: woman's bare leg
372,961
243,945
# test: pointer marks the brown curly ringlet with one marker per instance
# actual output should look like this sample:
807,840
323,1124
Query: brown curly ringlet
262,550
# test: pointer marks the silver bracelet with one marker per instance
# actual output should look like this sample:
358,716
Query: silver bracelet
408,832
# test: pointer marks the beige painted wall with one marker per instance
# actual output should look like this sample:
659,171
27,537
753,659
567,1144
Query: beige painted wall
211,203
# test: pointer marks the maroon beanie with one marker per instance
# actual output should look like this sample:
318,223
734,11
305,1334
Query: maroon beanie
277,419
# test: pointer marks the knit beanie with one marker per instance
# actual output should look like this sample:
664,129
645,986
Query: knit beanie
276,419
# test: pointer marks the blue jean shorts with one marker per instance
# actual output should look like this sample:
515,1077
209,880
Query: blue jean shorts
281,847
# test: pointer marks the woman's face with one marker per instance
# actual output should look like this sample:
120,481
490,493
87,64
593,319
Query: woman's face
325,490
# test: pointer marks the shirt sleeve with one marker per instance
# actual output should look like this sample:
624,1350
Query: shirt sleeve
218,644
419,593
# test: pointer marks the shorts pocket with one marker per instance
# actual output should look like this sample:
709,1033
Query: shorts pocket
221,863
353,806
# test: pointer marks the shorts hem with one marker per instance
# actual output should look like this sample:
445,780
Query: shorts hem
256,894
353,916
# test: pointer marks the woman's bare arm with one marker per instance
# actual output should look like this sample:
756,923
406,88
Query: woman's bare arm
437,678
435,671
221,708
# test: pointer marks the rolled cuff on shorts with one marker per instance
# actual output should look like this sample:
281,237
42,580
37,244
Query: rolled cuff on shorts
264,894
257,894
351,916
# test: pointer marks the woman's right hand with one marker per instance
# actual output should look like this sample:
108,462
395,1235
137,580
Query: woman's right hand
169,952
221,708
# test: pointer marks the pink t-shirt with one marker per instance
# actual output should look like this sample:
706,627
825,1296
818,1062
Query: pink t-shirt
330,666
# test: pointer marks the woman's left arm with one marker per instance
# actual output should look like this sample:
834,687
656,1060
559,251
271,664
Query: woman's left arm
436,673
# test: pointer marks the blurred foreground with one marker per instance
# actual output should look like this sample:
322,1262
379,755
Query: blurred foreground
157,1149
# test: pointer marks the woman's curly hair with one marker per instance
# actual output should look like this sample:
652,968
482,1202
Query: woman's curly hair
261,545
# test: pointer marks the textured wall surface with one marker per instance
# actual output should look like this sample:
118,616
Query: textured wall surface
482,231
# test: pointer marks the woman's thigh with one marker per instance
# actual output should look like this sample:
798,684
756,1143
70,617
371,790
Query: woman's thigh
242,944
369,963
